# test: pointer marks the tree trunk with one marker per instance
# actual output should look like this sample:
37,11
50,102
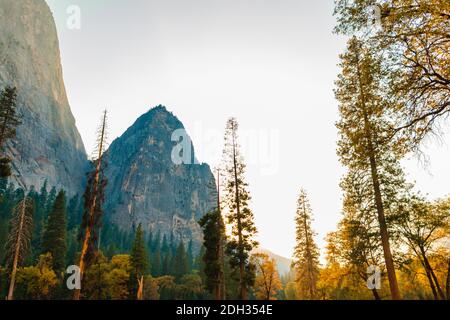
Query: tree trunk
308,256
17,251
447,285
87,236
431,282
376,294
395,292
220,295
433,277
140,292
242,287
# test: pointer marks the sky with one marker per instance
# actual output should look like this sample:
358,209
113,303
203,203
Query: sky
269,63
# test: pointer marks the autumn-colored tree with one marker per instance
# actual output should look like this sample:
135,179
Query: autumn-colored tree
365,145
344,276
358,237
423,225
93,200
17,245
290,291
240,217
118,277
412,39
151,289
306,252
190,288
37,282
267,282
96,284
358,244
166,285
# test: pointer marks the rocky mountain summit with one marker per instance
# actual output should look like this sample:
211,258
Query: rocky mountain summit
146,186
48,145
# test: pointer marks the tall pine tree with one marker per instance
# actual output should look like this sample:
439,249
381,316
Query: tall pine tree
240,216
214,241
366,145
54,238
93,202
180,262
306,253
140,265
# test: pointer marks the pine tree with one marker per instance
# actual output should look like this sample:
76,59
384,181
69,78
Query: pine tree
172,245
54,239
358,236
306,253
214,241
213,231
165,268
51,197
93,201
190,255
19,239
38,221
156,243
150,239
74,213
164,246
181,263
156,263
240,217
9,121
39,218
139,260
366,145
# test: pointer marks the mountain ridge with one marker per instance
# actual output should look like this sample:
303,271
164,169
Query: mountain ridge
146,187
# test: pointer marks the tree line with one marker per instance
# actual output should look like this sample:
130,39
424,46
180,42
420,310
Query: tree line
45,232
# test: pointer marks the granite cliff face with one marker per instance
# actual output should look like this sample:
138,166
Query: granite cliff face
146,186
48,145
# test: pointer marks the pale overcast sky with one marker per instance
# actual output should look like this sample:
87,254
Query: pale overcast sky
270,63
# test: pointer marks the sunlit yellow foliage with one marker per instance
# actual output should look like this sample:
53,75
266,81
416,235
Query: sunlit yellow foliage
37,282
267,282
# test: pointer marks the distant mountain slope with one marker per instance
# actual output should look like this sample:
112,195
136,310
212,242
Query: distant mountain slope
283,264
48,144
145,186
